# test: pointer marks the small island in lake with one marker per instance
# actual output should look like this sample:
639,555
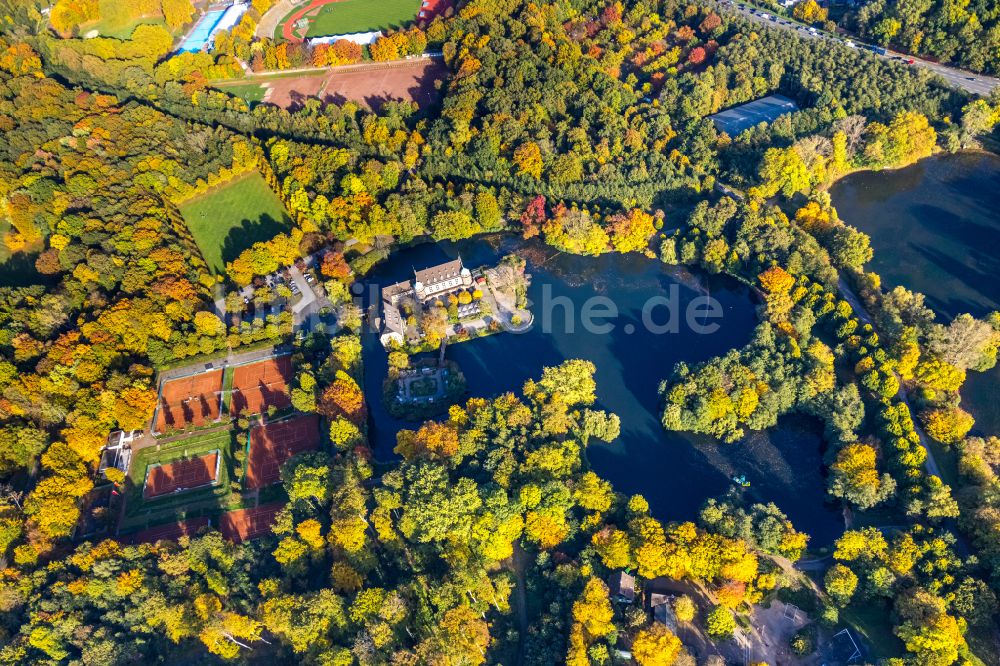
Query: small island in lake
449,302
423,389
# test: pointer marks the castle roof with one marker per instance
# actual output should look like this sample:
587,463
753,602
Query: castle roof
440,273
393,290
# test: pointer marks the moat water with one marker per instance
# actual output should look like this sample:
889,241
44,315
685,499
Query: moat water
675,472
935,228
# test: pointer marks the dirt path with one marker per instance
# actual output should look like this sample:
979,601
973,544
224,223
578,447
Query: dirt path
859,309
272,17
520,599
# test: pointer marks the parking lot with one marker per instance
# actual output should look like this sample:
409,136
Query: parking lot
297,288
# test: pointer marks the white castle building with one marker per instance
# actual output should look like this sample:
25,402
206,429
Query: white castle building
427,284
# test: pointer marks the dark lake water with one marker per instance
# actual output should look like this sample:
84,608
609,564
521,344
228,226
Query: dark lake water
935,228
675,472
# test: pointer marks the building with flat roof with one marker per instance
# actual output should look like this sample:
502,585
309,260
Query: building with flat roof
764,110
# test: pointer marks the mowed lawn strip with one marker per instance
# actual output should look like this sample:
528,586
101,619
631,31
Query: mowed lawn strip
348,16
250,92
156,510
231,217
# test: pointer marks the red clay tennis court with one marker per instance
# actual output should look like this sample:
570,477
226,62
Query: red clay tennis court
181,475
170,531
188,401
257,386
245,524
274,443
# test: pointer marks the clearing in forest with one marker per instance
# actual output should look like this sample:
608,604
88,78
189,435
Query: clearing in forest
271,445
232,216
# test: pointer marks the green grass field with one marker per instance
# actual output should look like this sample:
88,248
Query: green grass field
251,92
347,16
231,217
141,513
874,624
227,388
125,30
116,20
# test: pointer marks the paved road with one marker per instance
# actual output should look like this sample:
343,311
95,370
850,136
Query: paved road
977,84
308,295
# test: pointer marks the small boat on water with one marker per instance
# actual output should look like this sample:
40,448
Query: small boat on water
741,480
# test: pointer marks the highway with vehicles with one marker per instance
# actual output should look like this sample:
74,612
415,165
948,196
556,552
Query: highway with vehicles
977,84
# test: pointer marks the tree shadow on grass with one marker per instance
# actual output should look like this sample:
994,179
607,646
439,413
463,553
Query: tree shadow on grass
19,271
249,232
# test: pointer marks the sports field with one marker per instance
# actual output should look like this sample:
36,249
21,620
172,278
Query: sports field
187,457
271,445
189,401
244,524
248,92
181,475
341,17
231,217
168,531
258,386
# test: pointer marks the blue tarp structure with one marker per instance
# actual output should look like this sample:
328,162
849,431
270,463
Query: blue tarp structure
202,32
743,117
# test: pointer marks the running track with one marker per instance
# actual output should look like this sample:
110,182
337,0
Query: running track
428,10
288,29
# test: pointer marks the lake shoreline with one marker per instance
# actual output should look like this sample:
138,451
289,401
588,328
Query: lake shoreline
676,472
935,230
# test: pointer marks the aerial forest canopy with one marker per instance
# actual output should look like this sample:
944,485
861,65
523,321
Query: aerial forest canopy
487,538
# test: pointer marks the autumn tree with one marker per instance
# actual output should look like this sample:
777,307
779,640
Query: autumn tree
66,15
528,159
533,217
854,477
592,611
809,11
630,232
782,170
655,645
343,398
720,623
777,283
948,425
307,477
176,13
433,439
840,583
